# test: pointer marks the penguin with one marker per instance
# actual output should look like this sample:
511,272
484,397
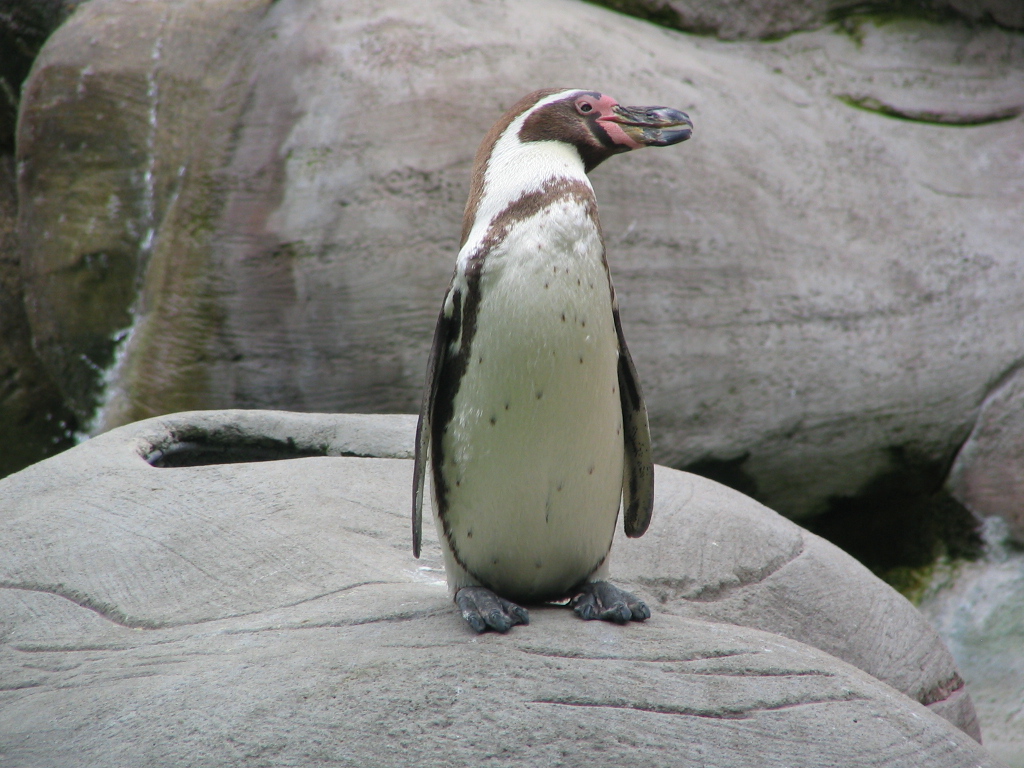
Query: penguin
533,420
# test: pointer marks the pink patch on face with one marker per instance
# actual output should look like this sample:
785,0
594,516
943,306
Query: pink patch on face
610,122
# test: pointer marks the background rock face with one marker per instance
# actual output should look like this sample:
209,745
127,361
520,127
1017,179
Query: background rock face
34,421
734,19
817,295
110,119
162,603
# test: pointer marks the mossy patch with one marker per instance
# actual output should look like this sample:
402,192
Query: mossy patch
851,19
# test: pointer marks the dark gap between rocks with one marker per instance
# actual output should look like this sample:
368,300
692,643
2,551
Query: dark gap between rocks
899,524
728,472
902,522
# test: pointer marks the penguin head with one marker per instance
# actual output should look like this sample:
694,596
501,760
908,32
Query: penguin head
598,126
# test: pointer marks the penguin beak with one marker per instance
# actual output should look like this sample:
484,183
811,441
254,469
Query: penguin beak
651,126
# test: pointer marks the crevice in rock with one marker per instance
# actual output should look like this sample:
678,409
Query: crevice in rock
82,648
20,686
110,612
932,117
207,450
718,672
395,618
943,690
198,445
551,653
116,616
745,577
684,588
716,713
1001,380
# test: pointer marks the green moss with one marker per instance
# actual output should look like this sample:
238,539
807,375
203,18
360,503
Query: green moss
917,583
852,18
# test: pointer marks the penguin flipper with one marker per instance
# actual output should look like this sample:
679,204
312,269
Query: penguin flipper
419,472
638,473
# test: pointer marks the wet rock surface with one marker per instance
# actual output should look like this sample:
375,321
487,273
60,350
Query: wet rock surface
110,118
156,614
978,608
34,421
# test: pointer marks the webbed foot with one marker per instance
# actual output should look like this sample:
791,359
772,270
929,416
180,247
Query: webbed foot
603,600
485,610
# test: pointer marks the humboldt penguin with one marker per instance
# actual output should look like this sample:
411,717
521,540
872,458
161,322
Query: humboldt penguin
532,414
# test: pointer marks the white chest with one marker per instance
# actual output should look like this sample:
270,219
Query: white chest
533,454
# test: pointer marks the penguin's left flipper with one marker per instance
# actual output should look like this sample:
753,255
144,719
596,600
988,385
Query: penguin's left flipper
638,470
484,610
603,600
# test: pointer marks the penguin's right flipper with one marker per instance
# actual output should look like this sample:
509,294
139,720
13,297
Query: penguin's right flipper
419,472
483,610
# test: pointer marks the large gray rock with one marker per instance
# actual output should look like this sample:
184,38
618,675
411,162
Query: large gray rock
180,604
987,475
717,555
810,288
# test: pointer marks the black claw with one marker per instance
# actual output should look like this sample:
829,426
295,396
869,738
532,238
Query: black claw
585,607
640,611
499,621
483,610
619,613
601,600
478,624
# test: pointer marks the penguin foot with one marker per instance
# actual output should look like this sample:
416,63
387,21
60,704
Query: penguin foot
485,610
603,600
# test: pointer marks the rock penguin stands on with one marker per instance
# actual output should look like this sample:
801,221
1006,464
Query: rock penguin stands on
532,415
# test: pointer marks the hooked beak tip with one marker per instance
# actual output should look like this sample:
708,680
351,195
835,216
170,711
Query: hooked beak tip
654,126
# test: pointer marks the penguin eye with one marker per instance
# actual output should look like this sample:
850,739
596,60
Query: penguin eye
583,107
